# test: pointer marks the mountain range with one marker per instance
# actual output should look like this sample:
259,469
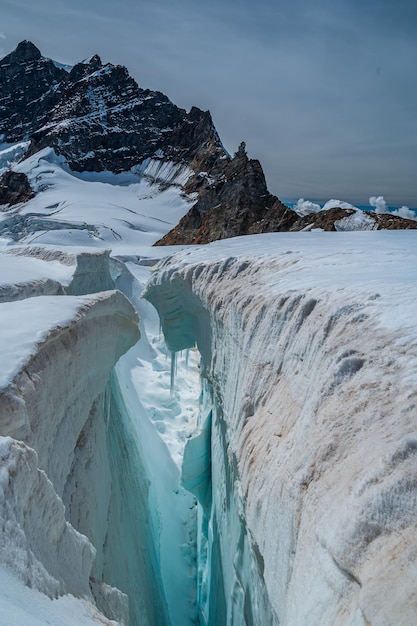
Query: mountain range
99,119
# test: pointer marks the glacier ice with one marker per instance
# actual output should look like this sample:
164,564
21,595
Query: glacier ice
309,372
53,382
288,498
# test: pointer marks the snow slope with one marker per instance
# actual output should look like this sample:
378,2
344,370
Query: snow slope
125,212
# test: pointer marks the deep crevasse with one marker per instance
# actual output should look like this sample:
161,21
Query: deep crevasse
299,519
158,419
106,449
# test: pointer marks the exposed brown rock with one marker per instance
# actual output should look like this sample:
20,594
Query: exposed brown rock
15,188
386,221
322,219
231,201
326,220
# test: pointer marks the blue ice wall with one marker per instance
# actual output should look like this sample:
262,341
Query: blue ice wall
231,588
130,552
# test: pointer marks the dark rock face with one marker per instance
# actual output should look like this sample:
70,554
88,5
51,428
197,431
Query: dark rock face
96,115
14,188
27,83
236,202
98,118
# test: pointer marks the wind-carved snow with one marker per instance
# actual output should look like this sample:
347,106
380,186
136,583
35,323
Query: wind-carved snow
308,511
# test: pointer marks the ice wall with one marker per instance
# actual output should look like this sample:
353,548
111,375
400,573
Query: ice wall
54,412
97,438
29,271
75,363
306,481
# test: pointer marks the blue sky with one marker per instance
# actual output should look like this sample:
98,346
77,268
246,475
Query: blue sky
323,92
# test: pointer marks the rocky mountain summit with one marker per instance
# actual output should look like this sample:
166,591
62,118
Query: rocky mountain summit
99,119
95,115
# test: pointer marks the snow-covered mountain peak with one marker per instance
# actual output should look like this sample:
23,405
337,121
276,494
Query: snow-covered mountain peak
96,115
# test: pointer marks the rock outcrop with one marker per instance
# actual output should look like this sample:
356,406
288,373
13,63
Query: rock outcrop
99,118
234,202
338,218
27,91
96,115
15,188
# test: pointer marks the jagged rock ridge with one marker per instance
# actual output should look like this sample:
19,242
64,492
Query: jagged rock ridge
99,118
96,115
237,202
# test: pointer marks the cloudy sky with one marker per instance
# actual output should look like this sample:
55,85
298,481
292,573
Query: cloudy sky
324,92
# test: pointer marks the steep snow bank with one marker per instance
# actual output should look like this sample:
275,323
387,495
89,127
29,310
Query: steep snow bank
57,336
58,354
308,513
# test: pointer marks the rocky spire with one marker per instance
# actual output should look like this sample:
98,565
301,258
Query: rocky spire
25,51
26,82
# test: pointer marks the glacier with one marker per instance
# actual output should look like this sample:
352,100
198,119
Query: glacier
304,459
249,459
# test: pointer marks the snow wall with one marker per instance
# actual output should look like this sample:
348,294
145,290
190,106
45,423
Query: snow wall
304,459
74,506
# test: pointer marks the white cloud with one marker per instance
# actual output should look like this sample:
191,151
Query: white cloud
404,211
381,207
2,36
379,204
304,207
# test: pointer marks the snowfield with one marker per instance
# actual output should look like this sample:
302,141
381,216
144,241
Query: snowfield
251,459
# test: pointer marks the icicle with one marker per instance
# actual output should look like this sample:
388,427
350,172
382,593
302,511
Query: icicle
187,354
173,370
